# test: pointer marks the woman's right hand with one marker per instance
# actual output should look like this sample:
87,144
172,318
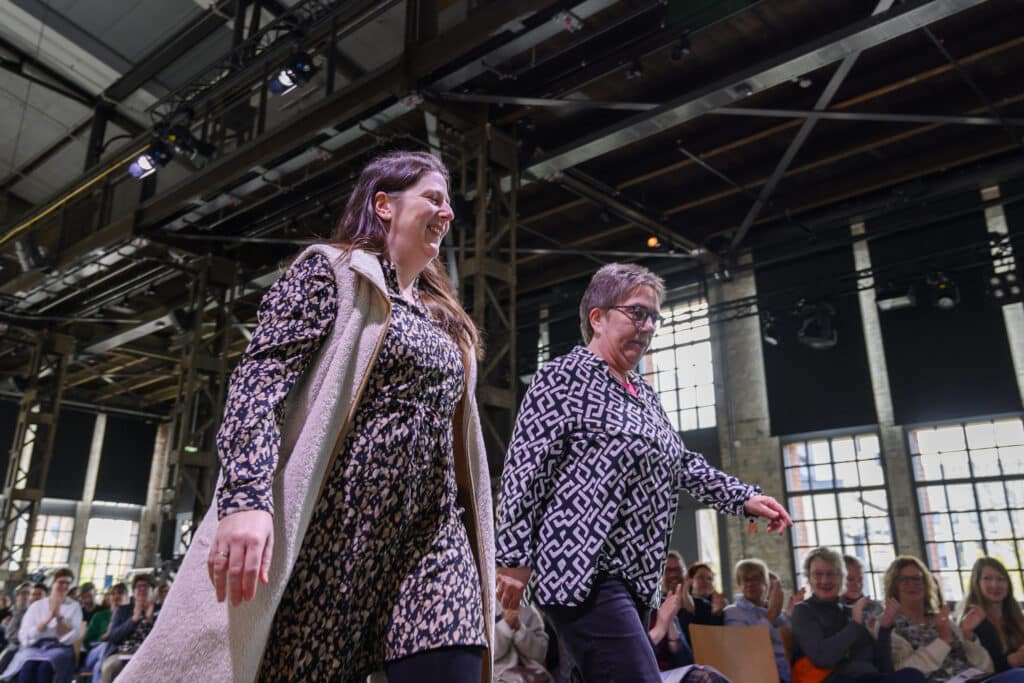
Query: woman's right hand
240,554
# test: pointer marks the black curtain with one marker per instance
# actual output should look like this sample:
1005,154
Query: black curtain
127,456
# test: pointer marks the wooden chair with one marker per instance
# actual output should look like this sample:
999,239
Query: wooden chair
743,653
786,633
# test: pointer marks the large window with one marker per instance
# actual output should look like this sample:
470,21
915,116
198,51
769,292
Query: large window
51,542
679,366
837,497
970,492
110,546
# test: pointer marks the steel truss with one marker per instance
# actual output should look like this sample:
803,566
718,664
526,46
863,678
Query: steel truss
32,449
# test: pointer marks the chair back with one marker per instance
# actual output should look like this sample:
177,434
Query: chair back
743,653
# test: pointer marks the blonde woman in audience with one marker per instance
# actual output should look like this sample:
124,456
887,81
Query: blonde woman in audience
923,635
760,603
994,615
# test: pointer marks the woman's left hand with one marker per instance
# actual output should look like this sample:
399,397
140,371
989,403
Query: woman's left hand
770,509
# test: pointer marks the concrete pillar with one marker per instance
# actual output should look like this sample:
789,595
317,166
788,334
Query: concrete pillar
748,449
149,529
83,509
906,525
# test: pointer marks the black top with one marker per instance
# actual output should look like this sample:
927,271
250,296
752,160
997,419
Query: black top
989,637
824,632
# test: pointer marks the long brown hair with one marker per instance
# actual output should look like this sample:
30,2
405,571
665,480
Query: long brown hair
361,228
1011,635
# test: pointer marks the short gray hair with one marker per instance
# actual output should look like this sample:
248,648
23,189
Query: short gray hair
613,284
825,555
753,566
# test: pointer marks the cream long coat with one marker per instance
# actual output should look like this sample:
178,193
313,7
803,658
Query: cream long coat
197,639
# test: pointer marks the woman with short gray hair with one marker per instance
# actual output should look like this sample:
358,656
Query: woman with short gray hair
592,481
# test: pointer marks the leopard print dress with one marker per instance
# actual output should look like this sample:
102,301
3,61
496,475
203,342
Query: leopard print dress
386,568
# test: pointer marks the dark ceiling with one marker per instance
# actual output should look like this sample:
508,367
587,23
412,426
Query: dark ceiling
719,127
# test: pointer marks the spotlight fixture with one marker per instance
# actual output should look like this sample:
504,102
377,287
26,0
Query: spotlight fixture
158,154
817,330
297,70
944,293
892,297
769,331
634,71
681,49
188,145
653,242
1004,287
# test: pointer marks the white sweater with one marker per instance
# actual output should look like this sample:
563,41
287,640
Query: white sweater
70,611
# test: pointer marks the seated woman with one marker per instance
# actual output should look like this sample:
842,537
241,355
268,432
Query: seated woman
992,613
760,605
520,646
831,641
48,630
701,603
923,636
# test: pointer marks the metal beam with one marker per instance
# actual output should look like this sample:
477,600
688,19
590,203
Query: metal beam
760,112
831,48
797,143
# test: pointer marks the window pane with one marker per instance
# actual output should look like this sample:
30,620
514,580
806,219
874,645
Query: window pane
987,459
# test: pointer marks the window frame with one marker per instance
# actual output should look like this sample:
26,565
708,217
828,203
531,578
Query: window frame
873,576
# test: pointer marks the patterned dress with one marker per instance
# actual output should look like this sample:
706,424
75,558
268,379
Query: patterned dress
386,568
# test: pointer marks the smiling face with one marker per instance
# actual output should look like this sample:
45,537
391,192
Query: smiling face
825,580
61,586
417,219
753,586
703,583
854,582
910,588
994,586
619,340
673,574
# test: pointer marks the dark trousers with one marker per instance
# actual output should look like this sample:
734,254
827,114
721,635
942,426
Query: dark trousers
443,665
36,672
606,635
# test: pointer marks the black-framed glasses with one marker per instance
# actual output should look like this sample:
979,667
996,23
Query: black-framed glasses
638,314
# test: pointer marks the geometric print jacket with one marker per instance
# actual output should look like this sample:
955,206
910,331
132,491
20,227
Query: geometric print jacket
592,480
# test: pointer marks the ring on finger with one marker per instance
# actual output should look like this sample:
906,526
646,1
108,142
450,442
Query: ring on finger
221,553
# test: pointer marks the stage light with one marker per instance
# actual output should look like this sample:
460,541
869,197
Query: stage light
944,293
156,155
298,70
769,332
1004,287
817,331
681,49
653,242
891,297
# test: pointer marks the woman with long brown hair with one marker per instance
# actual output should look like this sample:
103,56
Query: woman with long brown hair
350,447
994,615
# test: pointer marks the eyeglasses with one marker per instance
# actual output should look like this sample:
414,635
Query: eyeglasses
638,314
916,578
824,576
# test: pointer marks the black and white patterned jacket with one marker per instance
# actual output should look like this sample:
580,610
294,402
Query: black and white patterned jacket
592,480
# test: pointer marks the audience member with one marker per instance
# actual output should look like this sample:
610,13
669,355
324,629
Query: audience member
854,588
163,587
702,604
87,599
39,591
760,604
923,635
520,646
129,626
48,630
796,597
22,596
996,617
665,631
832,641
96,633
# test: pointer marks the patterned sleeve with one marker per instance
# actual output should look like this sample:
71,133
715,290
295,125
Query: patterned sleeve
294,318
537,444
713,487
